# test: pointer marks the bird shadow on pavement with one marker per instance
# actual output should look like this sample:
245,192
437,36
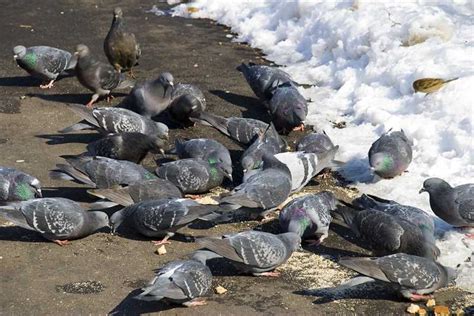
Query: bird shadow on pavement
16,233
132,306
346,234
81,98
81,138
20,81
254,108
78,194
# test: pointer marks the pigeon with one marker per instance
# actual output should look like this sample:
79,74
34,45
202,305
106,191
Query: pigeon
15,185
157,218
409,213
100,172
318,143
116,120
309,216
145,190
251,251
188,101
387,234
453,205
203,148
151,97
242,130
263,79
44,62
120,46
99,77
262,192
126,146
56,219
288,108
194,176
391,154
266,143
415,277
179,281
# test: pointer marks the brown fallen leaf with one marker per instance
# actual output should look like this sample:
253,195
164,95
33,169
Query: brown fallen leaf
441,310
430,303
413,309
422,312
220,290
161,250
192,10
429,85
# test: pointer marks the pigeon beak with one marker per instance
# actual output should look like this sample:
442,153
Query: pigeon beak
245,170
172,84
229,176
15,57
422,190
162,151
39,193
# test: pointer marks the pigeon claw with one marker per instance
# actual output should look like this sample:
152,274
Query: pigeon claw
109,98
195,302
299,128
420,297
273,274
62,242
164,241
47,86
193,196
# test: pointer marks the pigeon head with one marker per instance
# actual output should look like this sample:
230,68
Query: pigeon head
433,185
291,240
118,13
299,221
157,145
299,112
99,220
166,79
82,50
382,162
19,52
28,187
221,158
248,163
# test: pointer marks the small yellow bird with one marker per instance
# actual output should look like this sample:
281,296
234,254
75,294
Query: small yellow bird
429,85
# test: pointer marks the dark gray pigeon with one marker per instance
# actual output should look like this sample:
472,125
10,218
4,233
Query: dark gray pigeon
126,146
44,62
193,176
242,130
263,79
145,190
409,213
56,219
121,47
99,77
318,143
203,148
264,191
115,120
188,101
309,216
251,251
179,281
151,97
101,172
265,143
391,154
160,218
288,108
15,185
387,234
415,277
453,205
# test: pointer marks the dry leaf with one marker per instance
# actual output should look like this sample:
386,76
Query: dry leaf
192,10
430,303
413,309
161,250
220,290
422,312
441,310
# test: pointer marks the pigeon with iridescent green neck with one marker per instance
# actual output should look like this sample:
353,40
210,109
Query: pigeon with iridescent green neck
16,185
309,216
194,176
391,154
44,62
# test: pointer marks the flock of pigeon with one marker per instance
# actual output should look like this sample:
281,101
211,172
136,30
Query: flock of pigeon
157,205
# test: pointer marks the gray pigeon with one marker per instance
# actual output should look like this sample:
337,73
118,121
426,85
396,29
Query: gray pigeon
453,205
194,176
99,77
101,172
387,234
263,79
390,155
415,277
160,218
309,216
179,281
265,143
409,213
120,46
145,190
151,97
188,101
203,148
56,219
116,120
242,130
251,251
318,143
126,146
265,190
288,109
15,185
44,62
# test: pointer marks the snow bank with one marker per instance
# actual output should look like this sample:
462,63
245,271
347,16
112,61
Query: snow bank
362,59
